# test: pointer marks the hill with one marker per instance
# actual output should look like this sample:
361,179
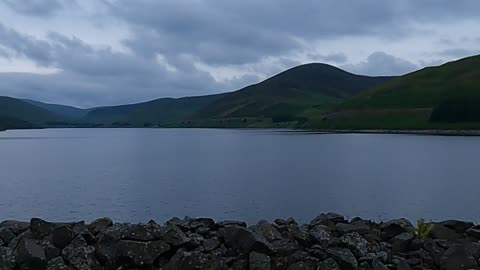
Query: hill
68,112
291,96
16,110
13,123
446,96
160,112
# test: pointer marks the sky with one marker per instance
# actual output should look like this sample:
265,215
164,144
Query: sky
107,52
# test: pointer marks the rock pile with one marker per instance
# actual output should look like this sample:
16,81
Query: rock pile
327,242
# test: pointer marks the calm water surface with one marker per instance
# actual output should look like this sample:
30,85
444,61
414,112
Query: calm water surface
140,174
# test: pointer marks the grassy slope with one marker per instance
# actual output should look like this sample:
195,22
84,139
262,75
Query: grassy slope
407,102
69,112
7,122
299,93
160,112
11,108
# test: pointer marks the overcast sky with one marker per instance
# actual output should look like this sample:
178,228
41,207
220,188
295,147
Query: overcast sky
107,52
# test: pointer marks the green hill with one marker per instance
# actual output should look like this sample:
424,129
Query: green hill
13,123
160,112
68,112
19,111
447,96
291,96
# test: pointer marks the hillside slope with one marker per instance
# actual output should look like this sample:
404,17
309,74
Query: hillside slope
160,112
69,112
446,96
294,95
18,110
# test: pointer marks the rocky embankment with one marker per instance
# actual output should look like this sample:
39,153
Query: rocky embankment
327,242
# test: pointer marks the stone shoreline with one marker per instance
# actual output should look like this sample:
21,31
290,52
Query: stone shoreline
327,242
428,132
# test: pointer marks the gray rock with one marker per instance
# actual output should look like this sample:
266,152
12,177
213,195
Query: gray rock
30,255
62,237
51,251
259,261
231,223
267,230
320,235
327,219
79,229
356,243
100,225
41,228
211,244
246,240
285,247
458,226
17,227
378,265
142,232
7,259
344,257
395,227
58,264
401,242
301,266
6,235
174,236
474,232
80,255
142,253
329,264
299,234
442,232
358,227
458,257
183,260
403,265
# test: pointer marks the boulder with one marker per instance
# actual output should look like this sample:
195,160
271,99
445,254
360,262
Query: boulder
344,258
403,265
378,265
6,235
474,232
442,232
99,225
458,226
211,244
395,227
320,235
58,264
355,242
358,227
41,228
246,240
300,234
285,247
142,232
17,227
62,236
401,242
7,258
188,261
301,266
259,261
231,223
142,253
80,255
79,229
458,257
329,220
174,236
30,255
267,230
329,264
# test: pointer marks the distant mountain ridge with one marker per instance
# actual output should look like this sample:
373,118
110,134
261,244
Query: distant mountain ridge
63,110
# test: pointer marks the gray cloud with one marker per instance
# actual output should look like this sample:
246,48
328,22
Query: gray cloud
39,8
167,41
380,63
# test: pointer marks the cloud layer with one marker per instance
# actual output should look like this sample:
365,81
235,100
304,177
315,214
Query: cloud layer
119,51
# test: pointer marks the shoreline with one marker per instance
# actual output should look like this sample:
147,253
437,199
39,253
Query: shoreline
329,241
425,132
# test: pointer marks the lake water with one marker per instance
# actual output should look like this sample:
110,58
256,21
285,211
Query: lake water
136,175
